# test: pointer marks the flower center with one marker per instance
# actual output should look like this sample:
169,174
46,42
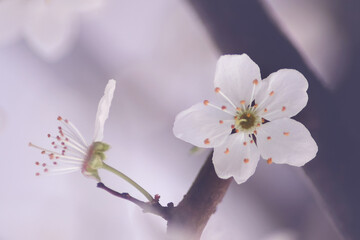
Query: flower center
247,120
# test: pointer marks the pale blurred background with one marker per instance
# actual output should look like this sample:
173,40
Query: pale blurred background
163,61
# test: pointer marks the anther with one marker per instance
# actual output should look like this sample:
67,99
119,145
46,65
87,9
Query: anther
46,170
256,105
237,130
44,164
269,161
244,143
232,126
271,93
265,110
42,152
251,141
227,151
248,115
206,102
262,120
255,132
238,109
255,82
268,138
223,107
246,160
37,174
59,118
37,163
207,141
49,135
217,89
242,102
221,121
286,133
283,108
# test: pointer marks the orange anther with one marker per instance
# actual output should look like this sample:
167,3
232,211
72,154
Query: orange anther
206,102
256,105
248,114
283,108
237,130
244,143
255,82
238,109
223,107
232,126
268,138
255,132
269,161
242,102
217,89
251,141
221,121
271,93
265,110
227,151
59,118
246,160
207,141
286,133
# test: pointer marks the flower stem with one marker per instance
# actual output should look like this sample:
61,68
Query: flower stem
129,180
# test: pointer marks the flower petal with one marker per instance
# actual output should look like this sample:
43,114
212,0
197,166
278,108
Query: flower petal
286,141
103,110
235,75
283,94
203,126
237,157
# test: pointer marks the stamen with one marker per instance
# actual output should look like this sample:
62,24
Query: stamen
286,133
246,160
207,141
227,151
218,90
244,143
268,138
269,161
221,121
283,108
206,102
255,83
271,93
221,109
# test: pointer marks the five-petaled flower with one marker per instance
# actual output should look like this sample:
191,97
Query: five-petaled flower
253,119
71,152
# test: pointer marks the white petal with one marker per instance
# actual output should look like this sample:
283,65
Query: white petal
234,159
286,141
283,94
235,75
11,20
50,30
103,110
200,123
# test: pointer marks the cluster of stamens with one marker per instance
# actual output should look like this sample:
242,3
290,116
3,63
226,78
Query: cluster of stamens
248,117
70,150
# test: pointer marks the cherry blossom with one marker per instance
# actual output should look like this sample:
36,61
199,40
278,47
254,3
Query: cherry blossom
252,118
48,26
70,151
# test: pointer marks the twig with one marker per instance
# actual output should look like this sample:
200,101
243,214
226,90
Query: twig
153,207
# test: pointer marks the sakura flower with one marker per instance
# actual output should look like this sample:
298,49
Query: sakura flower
70,150
48,26
252,119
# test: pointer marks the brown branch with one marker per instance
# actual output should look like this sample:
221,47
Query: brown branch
148,207
189,218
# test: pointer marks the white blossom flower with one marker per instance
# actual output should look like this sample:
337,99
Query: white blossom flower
48,26
71,152
253,119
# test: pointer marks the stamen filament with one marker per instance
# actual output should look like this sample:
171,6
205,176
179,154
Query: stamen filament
227,99
223,110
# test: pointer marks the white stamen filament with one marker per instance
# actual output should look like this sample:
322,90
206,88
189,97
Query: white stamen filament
223,110
226,98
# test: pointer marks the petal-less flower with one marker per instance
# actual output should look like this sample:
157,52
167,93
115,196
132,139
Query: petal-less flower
71,151
253,119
